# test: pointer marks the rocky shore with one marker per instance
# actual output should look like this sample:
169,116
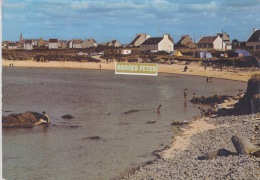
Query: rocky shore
190,163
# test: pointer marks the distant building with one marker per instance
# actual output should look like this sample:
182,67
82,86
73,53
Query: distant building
126,51
218,42
75,43
139,39
11,45
41,42
89,43
114,43
155,44
53,44
186,42
28,44
253,42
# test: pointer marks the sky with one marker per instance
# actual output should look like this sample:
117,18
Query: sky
106,20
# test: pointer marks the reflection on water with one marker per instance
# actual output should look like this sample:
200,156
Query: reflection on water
98,100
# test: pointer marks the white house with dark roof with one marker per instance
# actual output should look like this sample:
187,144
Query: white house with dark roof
253,41
139,39
210,42
89,43
155,44
28,44
53,44
11,45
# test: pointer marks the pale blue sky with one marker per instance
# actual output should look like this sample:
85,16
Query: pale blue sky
105,20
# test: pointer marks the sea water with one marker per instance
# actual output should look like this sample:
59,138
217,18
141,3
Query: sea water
100,102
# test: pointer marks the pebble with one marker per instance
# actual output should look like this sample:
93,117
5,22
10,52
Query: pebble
185,165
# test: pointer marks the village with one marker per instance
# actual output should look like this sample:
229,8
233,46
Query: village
143,48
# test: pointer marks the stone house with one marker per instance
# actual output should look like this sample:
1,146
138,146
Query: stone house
41,42
139,39
156,44
53,44
185,42
253,42
89,43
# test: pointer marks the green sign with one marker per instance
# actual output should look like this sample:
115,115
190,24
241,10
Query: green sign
149,69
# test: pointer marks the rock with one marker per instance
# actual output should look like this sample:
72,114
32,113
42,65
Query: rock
243,145
216,153
94,138
24,120
256,154
67,116
179,123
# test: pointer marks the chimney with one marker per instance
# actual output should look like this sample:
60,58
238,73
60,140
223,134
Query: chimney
166,36
254,30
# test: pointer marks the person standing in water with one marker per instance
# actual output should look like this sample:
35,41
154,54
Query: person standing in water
185,93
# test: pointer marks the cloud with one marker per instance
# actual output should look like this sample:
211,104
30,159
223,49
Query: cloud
79,5
17,5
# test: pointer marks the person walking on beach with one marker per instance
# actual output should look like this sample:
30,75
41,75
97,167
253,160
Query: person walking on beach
99,66
185,93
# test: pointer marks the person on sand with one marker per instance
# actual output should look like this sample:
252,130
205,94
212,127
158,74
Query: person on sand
185,68
185,93
99,66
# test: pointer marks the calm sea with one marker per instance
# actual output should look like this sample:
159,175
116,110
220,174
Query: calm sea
98,101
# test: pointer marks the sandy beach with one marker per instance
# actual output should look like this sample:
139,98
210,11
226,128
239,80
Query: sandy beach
193,69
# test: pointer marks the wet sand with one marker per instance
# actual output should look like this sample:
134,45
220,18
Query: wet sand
193,69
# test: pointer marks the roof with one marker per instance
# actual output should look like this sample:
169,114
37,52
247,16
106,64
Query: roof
76,41
11,44
150,41
28,41
53,40
135,39
255,37
208,39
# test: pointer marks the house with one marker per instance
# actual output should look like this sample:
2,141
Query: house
125,51
46,44
28,44
63,44
53,44
211,42
186,42
41,42
139,39
11,45
156,44
225,37
75,43
114,43
253,42
89,43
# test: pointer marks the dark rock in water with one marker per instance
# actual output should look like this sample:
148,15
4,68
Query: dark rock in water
74,126
67,116
209,100
94,138
180,123
24,120
132,111
216,153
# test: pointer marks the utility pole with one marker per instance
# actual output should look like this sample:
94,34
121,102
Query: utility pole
222,39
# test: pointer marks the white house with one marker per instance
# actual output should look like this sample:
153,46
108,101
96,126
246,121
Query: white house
11,45
139,39
53,44
214,42
155,44
76,43
125,51
28,44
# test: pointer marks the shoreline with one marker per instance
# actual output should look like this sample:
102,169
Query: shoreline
195,140
194,69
